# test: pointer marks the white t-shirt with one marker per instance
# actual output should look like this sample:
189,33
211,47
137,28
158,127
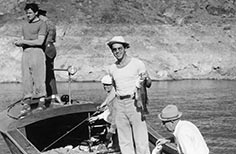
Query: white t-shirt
189,139
126,77
109,113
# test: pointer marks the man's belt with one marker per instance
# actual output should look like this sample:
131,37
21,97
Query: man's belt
125,97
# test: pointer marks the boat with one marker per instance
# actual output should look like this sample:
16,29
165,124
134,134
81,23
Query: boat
58,126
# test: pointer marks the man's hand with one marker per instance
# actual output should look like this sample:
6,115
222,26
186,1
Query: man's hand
18,43
145,76
162,141
159,143
92,119
109,135
102,107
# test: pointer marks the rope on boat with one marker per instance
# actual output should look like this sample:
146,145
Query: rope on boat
68,132
10,107
17,102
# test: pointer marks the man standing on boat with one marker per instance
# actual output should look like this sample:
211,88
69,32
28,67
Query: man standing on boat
188,138
108,113
126,72
33,58
50,54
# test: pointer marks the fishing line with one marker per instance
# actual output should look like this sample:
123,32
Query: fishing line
68,132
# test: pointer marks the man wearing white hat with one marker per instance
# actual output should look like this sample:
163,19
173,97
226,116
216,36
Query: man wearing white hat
126,71
188,138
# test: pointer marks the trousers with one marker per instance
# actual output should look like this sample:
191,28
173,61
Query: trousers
50,53
132,131
33,72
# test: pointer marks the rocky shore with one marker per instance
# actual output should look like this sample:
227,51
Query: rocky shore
170,52
198,45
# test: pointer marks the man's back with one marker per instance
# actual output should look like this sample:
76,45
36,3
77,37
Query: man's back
190,138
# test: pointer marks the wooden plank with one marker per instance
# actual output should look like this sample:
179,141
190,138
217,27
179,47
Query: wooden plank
13,146
24,145
154,136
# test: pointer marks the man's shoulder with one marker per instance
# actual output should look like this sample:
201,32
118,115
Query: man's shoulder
50,23
136,61
41,22
185,125
112,66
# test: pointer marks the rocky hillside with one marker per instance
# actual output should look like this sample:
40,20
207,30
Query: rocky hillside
176,39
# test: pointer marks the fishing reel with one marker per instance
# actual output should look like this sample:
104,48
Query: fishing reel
66,99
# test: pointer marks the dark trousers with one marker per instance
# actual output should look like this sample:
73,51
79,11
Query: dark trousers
51,87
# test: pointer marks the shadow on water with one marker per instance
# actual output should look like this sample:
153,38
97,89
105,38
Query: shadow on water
210,104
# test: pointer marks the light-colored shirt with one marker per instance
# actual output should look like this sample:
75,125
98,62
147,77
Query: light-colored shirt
189,139
109,99
32,30
126,77
109,114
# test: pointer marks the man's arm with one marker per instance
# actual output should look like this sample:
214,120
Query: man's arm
108,99
36,42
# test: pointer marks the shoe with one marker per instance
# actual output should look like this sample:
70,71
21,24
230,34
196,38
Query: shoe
41,103
25,111
57,99
113,149
38,109
25,107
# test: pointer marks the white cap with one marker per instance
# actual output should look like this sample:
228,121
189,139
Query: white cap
106,79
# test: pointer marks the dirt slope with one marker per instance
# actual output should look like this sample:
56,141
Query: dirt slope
176,40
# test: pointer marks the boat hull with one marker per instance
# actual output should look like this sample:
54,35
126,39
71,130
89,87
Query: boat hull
58,127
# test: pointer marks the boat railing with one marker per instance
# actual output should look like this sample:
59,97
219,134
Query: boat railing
154,136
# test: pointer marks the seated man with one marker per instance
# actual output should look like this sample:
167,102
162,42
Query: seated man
188,138
108,113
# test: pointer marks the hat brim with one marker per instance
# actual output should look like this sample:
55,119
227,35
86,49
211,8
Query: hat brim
171,118
126,45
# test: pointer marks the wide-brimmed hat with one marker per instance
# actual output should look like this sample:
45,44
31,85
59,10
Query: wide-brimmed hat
170,112
118,39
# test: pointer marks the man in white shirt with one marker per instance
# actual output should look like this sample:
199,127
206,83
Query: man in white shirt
125,72
188,138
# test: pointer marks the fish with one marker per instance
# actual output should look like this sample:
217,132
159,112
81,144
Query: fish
141,97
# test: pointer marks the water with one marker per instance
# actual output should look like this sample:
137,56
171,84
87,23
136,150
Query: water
210,104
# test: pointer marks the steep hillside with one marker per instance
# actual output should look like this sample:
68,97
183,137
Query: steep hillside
177,40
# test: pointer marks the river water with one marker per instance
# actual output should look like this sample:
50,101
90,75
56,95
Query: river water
209,104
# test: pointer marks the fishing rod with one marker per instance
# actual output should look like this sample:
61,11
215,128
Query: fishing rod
71,71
